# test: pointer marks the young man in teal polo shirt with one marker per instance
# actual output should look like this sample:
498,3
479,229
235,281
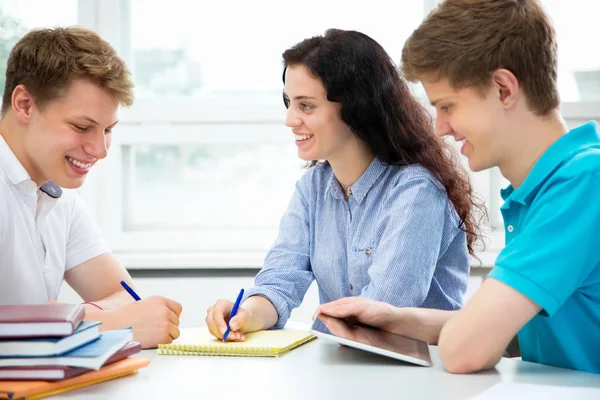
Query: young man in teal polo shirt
489,68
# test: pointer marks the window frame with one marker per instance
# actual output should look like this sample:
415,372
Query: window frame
146,123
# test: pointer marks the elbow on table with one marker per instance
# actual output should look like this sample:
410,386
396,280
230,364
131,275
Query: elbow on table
462,357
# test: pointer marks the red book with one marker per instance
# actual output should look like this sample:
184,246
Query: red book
58,372
39,320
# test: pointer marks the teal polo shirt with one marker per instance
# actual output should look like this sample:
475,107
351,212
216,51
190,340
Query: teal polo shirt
552,253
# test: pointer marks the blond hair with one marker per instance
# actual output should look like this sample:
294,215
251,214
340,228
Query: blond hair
46,61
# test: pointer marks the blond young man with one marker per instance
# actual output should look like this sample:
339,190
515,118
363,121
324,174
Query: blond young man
490,68
62,93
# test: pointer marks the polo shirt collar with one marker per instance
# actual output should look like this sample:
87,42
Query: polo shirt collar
580,138
361,187
18,176
11,165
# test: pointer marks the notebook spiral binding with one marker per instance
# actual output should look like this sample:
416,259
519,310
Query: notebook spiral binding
186,350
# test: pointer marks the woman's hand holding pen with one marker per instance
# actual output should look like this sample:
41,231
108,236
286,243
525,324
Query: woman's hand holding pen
217,316
257,313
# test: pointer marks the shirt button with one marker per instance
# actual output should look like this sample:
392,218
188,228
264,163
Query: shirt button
510,228
351,287
349,192
368,252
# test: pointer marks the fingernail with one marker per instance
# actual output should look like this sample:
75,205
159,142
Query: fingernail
223,329
233,325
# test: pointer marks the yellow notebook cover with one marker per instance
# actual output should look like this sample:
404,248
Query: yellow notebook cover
199,342
40,389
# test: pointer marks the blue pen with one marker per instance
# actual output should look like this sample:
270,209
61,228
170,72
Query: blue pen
233,312
130,291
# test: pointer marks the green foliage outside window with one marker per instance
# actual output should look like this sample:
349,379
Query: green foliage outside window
11,31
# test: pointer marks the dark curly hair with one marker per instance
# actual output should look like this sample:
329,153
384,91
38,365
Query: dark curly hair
376,103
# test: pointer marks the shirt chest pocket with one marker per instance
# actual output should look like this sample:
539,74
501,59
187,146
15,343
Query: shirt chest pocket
359,263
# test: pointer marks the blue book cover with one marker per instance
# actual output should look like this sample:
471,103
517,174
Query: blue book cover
86,332
99,347
92,355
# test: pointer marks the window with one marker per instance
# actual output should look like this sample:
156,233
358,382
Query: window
201,165
244,183
21,15
206,133
232,49
16,18
579,66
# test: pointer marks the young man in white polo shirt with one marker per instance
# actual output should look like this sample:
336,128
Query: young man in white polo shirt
62,93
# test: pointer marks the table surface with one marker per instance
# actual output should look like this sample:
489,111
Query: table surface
322,369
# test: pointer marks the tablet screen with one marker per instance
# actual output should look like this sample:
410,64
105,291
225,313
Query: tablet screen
372,339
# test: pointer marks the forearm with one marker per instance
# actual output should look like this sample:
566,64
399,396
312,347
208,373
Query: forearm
419,323
263,313
106,317
115,300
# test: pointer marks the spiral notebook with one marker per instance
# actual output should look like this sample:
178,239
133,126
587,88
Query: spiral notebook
199,342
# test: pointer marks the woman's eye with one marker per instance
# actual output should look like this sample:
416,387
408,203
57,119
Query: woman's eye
306,107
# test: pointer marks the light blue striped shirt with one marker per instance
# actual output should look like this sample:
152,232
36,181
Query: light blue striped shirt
397,239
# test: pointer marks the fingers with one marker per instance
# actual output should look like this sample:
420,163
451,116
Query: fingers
210,324
238,323
341,308
173,331
173,306
215,317
221,310
317,312
338,327
172,317
236,337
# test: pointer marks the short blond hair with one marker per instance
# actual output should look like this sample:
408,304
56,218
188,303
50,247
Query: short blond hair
46,61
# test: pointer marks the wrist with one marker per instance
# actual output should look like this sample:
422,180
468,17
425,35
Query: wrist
401,318
261,313
91,304
108,318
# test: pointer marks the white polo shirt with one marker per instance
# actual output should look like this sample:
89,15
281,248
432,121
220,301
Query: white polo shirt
41,237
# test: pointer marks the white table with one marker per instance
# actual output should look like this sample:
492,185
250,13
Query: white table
324,370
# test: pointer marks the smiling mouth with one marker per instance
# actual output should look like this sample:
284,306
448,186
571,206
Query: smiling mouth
78,164
301,138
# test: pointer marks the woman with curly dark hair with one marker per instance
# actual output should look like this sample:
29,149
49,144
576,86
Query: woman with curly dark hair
383,212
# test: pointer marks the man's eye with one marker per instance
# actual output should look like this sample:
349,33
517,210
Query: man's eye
80,128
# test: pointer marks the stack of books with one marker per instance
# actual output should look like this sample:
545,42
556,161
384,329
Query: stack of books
45,349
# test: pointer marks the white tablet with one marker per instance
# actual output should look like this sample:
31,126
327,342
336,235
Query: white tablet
372,339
